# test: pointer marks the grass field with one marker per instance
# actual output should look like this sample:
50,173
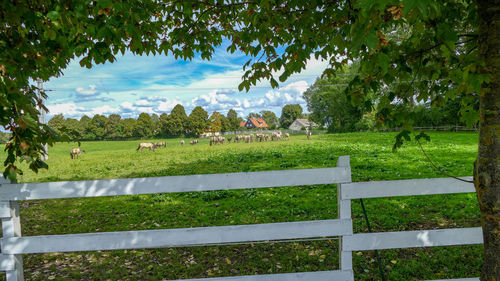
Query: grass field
371,159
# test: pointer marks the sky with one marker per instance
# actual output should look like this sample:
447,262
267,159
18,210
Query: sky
155,84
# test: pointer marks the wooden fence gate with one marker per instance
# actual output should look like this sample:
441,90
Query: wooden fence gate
13,245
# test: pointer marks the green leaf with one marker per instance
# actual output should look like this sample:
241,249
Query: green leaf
53,15
371,39
274,83
383,61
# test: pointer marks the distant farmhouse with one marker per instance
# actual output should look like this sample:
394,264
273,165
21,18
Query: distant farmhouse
299,124
253,123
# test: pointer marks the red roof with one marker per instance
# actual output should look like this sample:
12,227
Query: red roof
243,123
258,122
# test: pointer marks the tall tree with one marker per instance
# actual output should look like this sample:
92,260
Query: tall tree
330,105
163,124
270,118
156,124
144,126
215,122
198,121
177,121
233,120
85,124
98,126
57,123
128,127
224,123
289,113
112,127
447,48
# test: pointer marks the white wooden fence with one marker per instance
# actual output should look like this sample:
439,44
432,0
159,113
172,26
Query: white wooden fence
13,245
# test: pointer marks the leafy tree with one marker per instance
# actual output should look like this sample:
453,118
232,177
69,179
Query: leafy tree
422,50
57,123
233,120
289,113
128,127
98,126
73,129
331,107
163,124
144,126
112,127
225,125
215,122
270,118
156,124
177,121
198,120
87,134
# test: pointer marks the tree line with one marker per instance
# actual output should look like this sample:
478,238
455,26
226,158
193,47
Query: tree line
177,123
331,107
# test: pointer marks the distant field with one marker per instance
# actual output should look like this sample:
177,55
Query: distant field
371,159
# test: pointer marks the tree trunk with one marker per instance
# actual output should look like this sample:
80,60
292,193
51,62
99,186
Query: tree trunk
487,168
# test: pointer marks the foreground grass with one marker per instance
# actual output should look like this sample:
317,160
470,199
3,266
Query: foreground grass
371,159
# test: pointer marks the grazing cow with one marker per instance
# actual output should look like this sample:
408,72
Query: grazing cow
229,139
277,136
193,142
148,145
266,137
76,153
160,144
308,134
182,142
214,140
287,136
259,137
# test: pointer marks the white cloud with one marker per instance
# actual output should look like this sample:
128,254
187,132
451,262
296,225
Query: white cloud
167,105
105,110
299,86
87,92
143,103
67,109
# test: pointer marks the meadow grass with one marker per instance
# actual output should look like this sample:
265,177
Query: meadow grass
371,159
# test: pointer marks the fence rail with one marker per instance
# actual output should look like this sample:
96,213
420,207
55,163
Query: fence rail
13,245
135,186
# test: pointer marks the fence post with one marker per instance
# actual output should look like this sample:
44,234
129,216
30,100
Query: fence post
344,212
11,227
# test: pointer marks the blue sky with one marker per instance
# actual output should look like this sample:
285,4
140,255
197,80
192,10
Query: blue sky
155,84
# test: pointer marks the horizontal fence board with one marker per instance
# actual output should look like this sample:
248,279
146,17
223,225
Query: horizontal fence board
94,188
405,188
174,237
4,209
6,263
459,279
303,276
413,239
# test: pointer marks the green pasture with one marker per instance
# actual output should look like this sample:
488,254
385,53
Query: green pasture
371,159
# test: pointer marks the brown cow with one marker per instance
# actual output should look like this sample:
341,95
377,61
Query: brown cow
148,145
76,153
160,144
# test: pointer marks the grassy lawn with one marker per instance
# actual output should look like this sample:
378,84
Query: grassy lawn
371,159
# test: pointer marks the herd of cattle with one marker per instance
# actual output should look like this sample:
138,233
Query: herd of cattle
275,136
